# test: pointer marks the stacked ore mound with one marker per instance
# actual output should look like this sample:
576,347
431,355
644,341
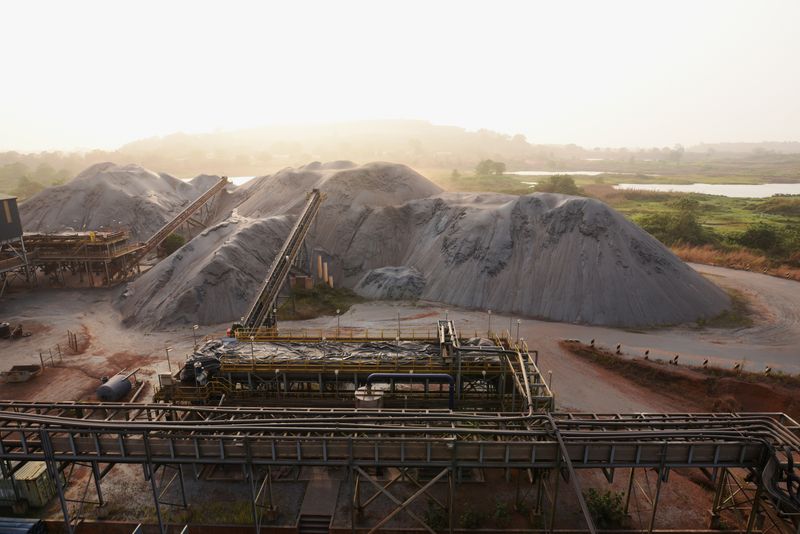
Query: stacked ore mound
390,233
108,196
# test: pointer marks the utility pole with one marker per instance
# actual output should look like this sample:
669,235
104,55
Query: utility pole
252,351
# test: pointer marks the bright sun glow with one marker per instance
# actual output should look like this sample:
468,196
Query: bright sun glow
99,74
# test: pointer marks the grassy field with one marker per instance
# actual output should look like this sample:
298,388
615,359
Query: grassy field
504,183
321,300
513,184
723,214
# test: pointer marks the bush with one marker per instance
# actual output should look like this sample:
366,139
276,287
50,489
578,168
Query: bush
760,236
644,195
558,183
605,507
471,519
172,243
781,205
502,514
487,167
679,226
674,228
434,516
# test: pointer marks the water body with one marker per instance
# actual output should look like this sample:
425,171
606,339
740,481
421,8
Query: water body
725,190
239,180
551,173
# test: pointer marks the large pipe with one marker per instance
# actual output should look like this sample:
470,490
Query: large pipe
437,377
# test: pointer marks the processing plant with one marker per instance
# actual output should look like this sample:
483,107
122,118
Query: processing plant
390,419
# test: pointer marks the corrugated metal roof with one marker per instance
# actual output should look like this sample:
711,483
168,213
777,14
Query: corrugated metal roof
31,471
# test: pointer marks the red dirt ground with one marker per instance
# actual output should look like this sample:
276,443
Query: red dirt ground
704,389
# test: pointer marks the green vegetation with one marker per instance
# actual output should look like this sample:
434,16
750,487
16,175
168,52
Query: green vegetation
558,183
502,514
24,180
741,233
471,519
739,315
435,516
788,206
219,512
767,227
172,243
496,183
488,167
321,300
605,507
679,225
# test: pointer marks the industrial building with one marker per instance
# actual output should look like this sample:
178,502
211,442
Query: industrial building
96,257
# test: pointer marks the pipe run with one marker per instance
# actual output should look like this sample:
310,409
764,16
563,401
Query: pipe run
437,377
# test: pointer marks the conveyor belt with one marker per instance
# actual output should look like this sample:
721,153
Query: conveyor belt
115,432
153,435
260,313
181,218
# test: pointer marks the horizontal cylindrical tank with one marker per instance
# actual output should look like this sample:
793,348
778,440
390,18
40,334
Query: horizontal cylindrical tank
114,389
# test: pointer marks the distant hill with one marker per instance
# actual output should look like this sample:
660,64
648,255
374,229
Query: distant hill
435,150
777,147
259,150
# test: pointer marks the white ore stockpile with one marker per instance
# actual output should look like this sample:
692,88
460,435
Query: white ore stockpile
108,196
391,233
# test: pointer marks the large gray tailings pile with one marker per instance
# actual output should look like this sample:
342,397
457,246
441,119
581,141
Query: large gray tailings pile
391,233
211,279
112,196
550,256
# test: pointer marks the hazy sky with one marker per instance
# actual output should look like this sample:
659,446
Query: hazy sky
607,73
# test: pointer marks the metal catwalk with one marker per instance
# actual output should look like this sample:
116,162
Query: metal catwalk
158,435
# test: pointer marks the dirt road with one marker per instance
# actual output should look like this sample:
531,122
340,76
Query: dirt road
773,340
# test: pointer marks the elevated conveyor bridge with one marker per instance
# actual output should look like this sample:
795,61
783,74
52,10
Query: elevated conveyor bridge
262,311
184,216
556,446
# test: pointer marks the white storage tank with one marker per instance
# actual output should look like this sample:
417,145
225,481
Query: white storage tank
369,398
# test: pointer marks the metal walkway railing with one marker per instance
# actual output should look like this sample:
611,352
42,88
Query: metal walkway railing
181,218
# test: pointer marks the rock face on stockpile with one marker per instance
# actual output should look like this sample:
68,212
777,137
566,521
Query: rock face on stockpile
212,278
391,233
551,256
391,283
